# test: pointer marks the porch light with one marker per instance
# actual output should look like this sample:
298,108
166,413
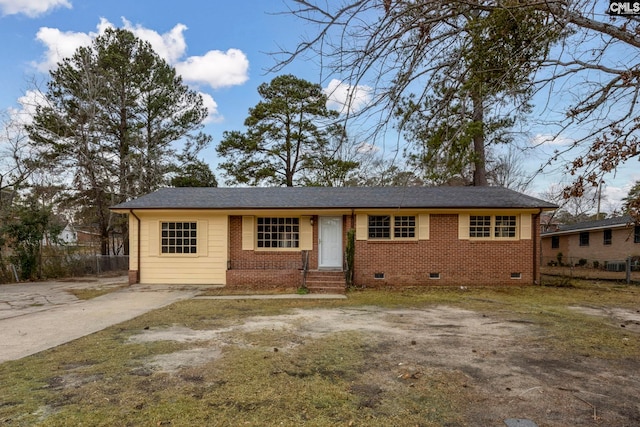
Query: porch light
311,221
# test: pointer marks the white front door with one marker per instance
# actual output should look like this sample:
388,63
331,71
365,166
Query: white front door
330,242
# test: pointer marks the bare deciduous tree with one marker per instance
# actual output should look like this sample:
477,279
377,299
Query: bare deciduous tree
454,72
591,77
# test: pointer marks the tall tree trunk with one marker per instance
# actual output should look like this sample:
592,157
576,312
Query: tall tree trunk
479,172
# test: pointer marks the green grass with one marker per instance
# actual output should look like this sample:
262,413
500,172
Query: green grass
282,379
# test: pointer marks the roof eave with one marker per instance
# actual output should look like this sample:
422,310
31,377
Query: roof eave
118,209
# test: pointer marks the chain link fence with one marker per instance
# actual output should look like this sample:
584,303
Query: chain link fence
70,264
593,269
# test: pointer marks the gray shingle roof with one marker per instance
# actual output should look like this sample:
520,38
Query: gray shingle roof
334,197
621,221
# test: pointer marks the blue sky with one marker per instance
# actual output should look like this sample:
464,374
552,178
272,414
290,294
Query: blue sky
221,48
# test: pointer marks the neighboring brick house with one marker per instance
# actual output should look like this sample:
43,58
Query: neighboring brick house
605,241
404,236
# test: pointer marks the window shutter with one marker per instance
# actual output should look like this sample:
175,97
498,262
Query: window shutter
306,233
154,237
525,226
248,228
463,226
362,226
203,238
423,227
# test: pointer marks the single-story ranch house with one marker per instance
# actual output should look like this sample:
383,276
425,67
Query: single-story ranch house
607,242
284,237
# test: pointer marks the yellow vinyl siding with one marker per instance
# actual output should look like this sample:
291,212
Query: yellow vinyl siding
203,238
207,266
153,237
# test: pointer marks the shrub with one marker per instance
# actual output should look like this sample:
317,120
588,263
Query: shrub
350,256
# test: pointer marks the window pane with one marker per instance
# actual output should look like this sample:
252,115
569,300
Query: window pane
278,232
174,238
584,238
404,226
505,226
379,227
479,226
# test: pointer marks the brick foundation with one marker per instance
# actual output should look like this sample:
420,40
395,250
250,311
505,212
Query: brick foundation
264,279
134,277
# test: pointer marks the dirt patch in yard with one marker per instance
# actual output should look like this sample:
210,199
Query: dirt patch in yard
501,361
623,318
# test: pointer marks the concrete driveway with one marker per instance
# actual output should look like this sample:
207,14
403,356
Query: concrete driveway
38,316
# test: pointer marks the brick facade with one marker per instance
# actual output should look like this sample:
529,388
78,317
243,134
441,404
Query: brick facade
454,261
252,269
400,263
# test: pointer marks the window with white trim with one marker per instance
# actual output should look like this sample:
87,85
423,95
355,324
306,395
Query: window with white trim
379,226
404,227
179,238
480,226
278,232
493,226
392,227
505,226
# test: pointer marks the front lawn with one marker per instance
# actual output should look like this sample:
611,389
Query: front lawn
430,357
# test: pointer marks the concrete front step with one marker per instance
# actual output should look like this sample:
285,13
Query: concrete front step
324,290
326,282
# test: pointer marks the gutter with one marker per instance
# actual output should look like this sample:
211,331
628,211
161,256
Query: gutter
580,230
537,252
138,241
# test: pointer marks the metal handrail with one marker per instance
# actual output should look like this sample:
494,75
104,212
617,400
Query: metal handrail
305,267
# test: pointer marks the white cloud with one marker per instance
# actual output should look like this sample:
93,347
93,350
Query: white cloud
171,46
366,148
28,104
216,68
614,195
31,8
550,140
346,98
212,106
59,45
